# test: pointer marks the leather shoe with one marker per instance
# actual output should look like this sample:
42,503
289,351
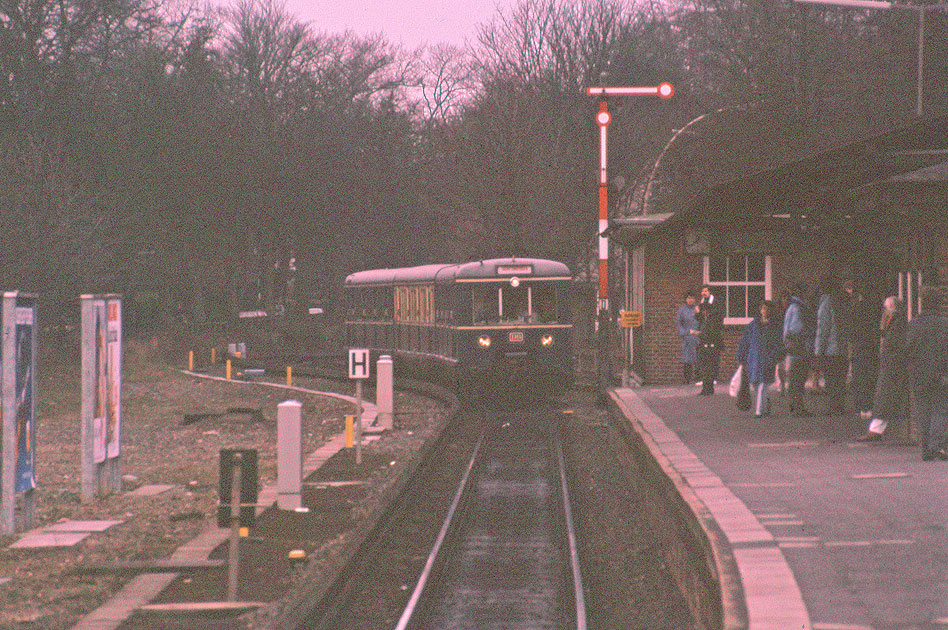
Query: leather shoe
869,436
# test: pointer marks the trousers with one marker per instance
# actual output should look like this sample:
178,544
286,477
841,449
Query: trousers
709,364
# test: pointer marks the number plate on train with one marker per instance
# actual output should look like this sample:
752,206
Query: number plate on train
515,336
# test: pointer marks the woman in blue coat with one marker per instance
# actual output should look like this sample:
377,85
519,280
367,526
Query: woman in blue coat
759,351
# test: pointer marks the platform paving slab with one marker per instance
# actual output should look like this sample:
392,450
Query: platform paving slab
64,534
150,490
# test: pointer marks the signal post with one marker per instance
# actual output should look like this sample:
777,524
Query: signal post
603,118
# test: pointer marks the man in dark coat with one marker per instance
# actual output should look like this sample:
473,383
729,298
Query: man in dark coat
711,319
926,350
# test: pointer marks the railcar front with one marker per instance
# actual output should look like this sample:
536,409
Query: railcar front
514,328
487,326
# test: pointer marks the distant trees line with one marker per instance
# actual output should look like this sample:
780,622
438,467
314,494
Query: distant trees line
184,156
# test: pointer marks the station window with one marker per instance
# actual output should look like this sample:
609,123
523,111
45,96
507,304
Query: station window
739,282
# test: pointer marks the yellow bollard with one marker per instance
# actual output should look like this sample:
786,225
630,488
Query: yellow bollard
228,369
297,558
289,376
191,360
349,438
213,356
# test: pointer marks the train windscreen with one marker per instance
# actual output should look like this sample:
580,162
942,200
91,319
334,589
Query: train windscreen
524,303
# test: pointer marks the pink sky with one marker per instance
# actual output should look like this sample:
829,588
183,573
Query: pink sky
410,22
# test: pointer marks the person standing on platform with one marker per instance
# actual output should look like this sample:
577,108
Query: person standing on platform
926,351
890,401
711,320
864,356
831,345
798,344
759,351
688,329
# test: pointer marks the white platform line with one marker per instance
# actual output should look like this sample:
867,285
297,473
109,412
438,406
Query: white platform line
868,543
892,475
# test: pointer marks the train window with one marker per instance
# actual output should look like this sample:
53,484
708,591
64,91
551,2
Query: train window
401,304
543,299
429,305
515,303
485,304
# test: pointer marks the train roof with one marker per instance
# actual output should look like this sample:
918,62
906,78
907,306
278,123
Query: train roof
493,269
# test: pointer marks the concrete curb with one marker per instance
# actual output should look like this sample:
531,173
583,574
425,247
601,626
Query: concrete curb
757,590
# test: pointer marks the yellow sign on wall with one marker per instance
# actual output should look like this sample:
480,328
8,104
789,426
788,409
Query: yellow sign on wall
631,319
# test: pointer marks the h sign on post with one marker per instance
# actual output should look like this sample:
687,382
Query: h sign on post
358,363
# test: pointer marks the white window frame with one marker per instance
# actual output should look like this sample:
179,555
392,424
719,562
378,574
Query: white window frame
734,321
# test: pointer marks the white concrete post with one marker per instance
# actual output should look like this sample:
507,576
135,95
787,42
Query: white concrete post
289,455
384,392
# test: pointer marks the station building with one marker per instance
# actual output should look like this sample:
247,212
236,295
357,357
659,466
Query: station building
874,210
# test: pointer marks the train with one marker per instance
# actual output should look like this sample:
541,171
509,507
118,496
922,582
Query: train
481,327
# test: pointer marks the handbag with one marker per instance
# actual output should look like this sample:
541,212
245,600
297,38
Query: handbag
740,384
734,388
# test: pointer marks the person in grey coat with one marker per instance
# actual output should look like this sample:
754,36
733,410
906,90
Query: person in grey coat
831,345
926,350
688,329
891,399
798,321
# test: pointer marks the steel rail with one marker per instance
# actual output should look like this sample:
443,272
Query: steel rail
442,535
573,548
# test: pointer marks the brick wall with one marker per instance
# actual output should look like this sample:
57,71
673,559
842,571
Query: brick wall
670,271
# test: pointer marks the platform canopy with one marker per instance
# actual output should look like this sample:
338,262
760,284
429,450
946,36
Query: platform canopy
834,188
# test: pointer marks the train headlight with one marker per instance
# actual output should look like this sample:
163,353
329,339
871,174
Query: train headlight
483,341
546,341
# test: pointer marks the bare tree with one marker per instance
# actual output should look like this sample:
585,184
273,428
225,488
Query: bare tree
446,83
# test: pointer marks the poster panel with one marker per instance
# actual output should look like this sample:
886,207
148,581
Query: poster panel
114,378
100,382
25,411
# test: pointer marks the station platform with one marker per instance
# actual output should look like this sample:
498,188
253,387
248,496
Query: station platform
821,532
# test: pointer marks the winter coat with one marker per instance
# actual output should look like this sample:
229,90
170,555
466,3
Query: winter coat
926,350
891,397
760,349
832,319
686,321
711,318
798,328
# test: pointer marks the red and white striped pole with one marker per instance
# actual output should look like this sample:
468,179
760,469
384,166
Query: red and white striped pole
603,118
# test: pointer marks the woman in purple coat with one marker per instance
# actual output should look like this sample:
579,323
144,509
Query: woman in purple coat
759,351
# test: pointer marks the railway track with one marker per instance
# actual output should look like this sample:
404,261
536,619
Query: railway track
480,538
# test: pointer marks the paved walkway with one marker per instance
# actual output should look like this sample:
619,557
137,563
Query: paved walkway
828,533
